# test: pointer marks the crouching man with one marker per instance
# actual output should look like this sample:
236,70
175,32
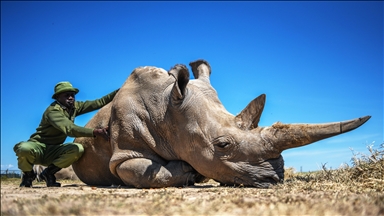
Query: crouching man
45,146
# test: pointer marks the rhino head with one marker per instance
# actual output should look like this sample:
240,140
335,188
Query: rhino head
166,127
234,149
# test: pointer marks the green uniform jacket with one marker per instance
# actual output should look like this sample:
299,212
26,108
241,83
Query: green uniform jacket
57,123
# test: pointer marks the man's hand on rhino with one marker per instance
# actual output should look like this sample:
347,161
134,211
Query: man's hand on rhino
103,132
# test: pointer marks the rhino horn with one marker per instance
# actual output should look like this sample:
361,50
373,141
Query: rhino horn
181,74
201,69
286,136
250,116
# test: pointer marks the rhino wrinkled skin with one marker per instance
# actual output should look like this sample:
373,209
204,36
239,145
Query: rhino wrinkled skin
167,130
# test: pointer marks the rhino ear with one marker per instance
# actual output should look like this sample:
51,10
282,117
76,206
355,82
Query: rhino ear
201,70
250,116
181,74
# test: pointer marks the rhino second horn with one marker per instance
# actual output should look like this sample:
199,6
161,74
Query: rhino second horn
286,136
201,69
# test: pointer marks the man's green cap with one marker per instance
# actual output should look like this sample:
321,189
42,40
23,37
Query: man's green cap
64,87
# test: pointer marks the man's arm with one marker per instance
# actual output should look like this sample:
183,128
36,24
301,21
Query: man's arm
89,106
62,123
58,120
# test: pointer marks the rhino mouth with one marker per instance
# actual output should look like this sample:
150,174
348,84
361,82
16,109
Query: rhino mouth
260,175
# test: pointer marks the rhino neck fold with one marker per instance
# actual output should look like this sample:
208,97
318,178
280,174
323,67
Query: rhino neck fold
286,136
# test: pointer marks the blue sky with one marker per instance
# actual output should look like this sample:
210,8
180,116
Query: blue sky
317,62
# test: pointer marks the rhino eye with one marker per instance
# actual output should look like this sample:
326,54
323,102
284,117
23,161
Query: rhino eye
223,144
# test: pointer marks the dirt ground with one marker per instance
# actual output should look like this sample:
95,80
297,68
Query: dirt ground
76,198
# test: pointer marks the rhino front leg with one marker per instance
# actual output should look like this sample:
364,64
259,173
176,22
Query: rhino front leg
145,173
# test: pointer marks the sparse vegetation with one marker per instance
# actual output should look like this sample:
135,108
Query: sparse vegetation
366,174
355,190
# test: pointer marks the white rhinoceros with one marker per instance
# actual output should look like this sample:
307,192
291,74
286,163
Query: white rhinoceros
167,130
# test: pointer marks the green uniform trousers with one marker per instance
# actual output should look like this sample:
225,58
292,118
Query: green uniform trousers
30,153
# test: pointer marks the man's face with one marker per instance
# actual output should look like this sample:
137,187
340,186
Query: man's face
67,99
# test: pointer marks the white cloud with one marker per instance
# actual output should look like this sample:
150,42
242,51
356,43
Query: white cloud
7,166
352,139
307,153
310,159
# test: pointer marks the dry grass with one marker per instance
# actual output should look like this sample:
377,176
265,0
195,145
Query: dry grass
356,190
366,174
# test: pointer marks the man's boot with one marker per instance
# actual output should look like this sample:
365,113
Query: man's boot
48,175
27,178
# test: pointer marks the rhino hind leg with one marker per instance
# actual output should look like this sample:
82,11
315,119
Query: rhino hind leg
145,173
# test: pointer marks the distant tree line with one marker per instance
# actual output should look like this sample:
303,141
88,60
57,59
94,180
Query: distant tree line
10,173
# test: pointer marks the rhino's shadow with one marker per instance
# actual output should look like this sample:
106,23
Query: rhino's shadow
75,185
132,187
